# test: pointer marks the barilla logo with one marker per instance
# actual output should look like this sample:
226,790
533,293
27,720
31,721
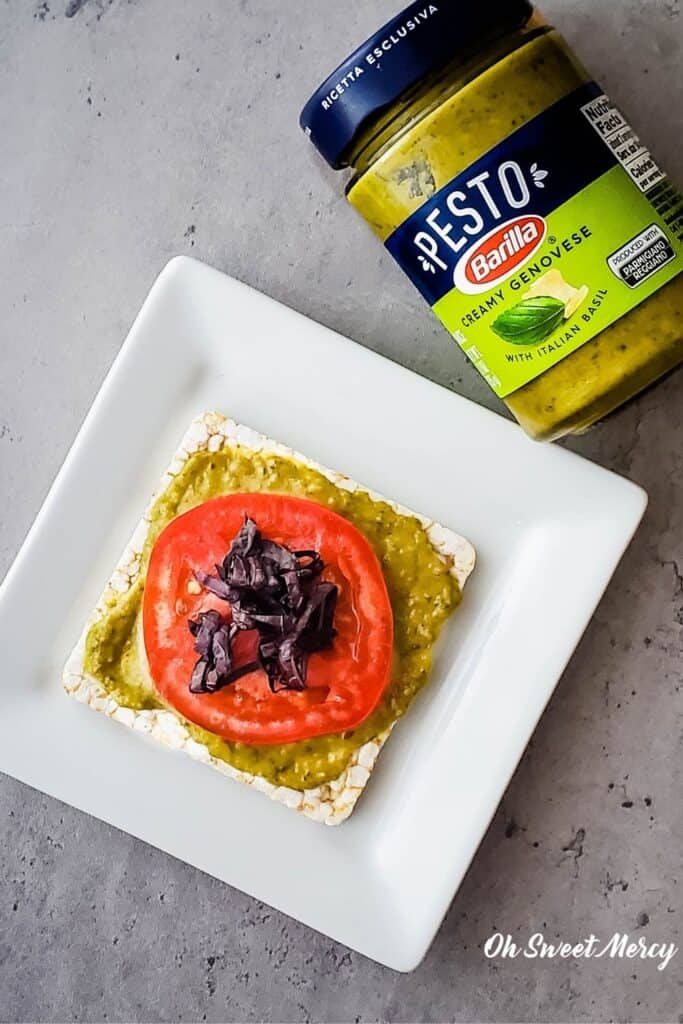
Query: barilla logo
480,225
498,255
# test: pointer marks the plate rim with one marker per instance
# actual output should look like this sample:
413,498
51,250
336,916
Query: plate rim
180,269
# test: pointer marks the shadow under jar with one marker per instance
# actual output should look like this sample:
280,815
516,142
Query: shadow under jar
518,200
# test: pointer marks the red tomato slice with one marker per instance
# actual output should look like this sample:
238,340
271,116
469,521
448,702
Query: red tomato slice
343,684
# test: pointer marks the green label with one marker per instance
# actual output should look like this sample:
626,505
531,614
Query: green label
529,254
570,290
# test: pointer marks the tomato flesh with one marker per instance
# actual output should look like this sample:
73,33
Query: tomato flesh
343,684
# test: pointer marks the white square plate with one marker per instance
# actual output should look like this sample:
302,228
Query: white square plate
549,529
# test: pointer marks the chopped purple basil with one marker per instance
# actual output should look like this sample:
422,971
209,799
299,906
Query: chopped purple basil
275,591
214,584
213,640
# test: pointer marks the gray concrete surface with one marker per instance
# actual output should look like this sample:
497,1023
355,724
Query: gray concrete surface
133,130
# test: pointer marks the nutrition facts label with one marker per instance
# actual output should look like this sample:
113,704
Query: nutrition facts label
617,133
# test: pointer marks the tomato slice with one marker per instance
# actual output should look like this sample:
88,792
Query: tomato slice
343,684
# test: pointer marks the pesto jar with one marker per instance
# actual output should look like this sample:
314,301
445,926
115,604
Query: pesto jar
518,200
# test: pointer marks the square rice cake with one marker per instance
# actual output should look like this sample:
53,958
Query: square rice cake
330,802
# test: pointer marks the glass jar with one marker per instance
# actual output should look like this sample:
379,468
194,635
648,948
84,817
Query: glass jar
519,201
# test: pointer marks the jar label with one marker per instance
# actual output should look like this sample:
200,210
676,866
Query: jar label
545,241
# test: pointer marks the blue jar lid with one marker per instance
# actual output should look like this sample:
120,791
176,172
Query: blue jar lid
420,39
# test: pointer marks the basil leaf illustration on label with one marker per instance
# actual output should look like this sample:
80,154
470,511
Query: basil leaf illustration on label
529,322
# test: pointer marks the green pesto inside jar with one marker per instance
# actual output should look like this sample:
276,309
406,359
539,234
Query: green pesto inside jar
441,129
422,590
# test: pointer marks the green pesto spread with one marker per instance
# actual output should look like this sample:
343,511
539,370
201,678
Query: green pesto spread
420,146
422,590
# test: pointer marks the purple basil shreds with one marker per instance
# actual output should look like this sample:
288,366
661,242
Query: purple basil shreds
213,643
275,591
